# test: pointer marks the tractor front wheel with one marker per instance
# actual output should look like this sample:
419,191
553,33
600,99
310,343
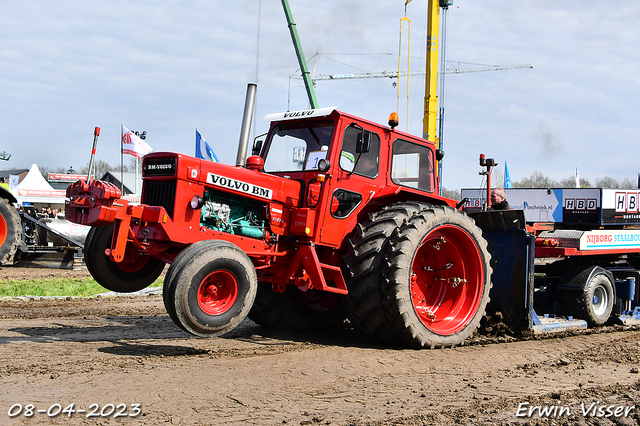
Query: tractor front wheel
438,278
168,288
134,273
211,291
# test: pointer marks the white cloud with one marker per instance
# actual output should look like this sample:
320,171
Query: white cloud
169,67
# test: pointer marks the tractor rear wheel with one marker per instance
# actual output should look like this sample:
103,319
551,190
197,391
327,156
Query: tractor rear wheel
211,288
10,231
134,273
438,278
365,261
295,310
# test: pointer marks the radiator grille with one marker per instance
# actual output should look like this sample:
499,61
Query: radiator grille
160,193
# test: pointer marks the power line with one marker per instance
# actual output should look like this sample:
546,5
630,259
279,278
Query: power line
394,74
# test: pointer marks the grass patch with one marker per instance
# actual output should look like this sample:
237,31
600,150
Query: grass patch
56,287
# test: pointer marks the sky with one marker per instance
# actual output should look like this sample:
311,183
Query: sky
169,67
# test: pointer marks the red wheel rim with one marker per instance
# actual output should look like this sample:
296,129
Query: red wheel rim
3,230
217,292
447,280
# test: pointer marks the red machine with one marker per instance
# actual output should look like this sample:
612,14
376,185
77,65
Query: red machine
331,216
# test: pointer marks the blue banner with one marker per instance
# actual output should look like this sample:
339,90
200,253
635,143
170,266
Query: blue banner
507,179
203,150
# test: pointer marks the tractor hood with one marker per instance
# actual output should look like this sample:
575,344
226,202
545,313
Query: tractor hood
231,179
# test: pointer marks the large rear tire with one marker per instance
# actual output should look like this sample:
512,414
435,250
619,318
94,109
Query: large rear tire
295,310
211,288
10,232
365,261
134,273
438,278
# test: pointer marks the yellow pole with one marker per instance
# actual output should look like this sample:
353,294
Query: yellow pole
431,96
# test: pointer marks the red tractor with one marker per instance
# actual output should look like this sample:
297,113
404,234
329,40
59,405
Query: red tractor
332,216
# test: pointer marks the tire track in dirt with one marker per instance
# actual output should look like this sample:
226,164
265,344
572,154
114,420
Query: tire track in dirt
253,376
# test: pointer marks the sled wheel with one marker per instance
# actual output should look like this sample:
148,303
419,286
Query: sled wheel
10,231
364,262
438,278
295,310
214,289
134,273
594,304
601,299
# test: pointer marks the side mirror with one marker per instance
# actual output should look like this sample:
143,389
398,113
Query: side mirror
439,154
257,147
363,142
461,203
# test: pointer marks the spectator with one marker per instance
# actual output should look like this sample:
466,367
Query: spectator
499,199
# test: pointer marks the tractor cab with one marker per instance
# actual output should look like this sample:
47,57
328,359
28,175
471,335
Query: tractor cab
347,167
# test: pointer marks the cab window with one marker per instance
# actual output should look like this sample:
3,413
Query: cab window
344,202
412,165
360,153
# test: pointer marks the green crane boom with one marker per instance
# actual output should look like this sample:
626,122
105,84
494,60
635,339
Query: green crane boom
306,75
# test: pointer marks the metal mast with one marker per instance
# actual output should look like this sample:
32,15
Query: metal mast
430,119
443,67
306,76
431,95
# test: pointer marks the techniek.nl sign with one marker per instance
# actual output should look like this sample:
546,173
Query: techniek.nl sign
539,205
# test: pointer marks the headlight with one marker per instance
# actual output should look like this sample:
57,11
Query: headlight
196,202
323,165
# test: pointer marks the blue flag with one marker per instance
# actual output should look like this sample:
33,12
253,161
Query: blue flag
203,150
507,179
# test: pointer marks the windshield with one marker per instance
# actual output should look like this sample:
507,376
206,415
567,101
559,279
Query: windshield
297,146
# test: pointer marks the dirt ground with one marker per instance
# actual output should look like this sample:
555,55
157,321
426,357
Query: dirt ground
114,357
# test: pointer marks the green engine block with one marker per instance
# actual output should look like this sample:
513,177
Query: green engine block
233,215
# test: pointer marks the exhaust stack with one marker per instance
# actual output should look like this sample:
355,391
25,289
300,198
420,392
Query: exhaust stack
245,132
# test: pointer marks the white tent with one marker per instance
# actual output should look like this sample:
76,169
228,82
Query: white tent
35,189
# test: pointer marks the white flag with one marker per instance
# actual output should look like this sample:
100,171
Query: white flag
132,144
13,182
